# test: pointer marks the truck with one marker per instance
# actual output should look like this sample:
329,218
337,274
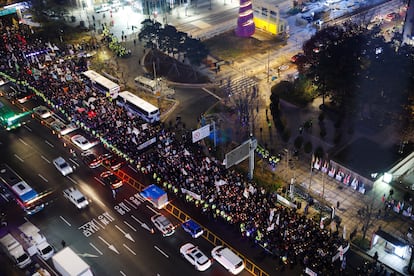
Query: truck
157,196
15,251
36,242
68,263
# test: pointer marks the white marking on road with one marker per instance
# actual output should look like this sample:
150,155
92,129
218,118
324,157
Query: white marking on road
155,212
74,162
127,235
67,222
110,246
143,225
44,158
162,252
19,158
132,168
133,205
71,179
129,249
49,144
23,142
94,247
211,93
122,273
130,226
42,177
5,198
88,255
28,128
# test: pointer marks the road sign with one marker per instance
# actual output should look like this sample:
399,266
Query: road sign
237,155
201,133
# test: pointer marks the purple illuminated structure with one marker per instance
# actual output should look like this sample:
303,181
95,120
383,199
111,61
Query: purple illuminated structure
245,24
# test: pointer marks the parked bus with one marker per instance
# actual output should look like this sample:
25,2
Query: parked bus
10,119
139,107
27,198
110,88
147,84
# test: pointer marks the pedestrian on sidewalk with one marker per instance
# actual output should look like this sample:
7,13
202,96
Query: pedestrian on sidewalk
63,243
337,204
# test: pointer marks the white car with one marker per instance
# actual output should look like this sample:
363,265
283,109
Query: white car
163,224
194,255
227,258
63,128
42,112
82,143
76,197
62,166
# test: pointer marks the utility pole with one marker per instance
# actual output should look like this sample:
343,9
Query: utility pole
268,66
311,173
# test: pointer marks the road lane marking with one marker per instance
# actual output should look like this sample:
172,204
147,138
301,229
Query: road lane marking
155,212
28,128
130,226
122,273
132,205
5,198
49,144
67,222
42,177
126,235
132,168
129,249
110,246
162,252
74,162
23,142
19,158
71,179
97,250
44,158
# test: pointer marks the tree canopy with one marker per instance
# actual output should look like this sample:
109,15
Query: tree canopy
171,41
361,72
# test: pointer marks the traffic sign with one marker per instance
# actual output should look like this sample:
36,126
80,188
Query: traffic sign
201,133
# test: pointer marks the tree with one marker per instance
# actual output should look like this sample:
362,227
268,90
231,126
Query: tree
172,42
364,76
367,215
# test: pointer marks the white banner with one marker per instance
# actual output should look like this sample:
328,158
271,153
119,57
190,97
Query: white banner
201,133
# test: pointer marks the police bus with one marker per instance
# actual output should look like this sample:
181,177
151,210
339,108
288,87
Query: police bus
110,88
27,198
139,107
147,84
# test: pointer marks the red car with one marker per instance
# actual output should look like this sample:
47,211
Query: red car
111,180
298,58
114,163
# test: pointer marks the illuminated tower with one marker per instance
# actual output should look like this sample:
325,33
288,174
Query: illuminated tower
245,24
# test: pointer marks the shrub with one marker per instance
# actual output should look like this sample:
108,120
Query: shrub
298,142
319,152
308,147
323,132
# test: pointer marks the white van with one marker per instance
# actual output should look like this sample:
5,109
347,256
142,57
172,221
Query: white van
227,258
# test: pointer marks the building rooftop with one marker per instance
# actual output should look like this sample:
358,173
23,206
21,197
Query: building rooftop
366,157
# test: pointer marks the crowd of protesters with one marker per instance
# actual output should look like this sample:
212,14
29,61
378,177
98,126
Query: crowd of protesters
177,164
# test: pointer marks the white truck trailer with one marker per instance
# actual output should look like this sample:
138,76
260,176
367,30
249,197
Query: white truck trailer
68,263
15,251
36,242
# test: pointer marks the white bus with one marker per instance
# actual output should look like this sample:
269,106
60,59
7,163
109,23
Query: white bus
147,84
139,107
103,84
